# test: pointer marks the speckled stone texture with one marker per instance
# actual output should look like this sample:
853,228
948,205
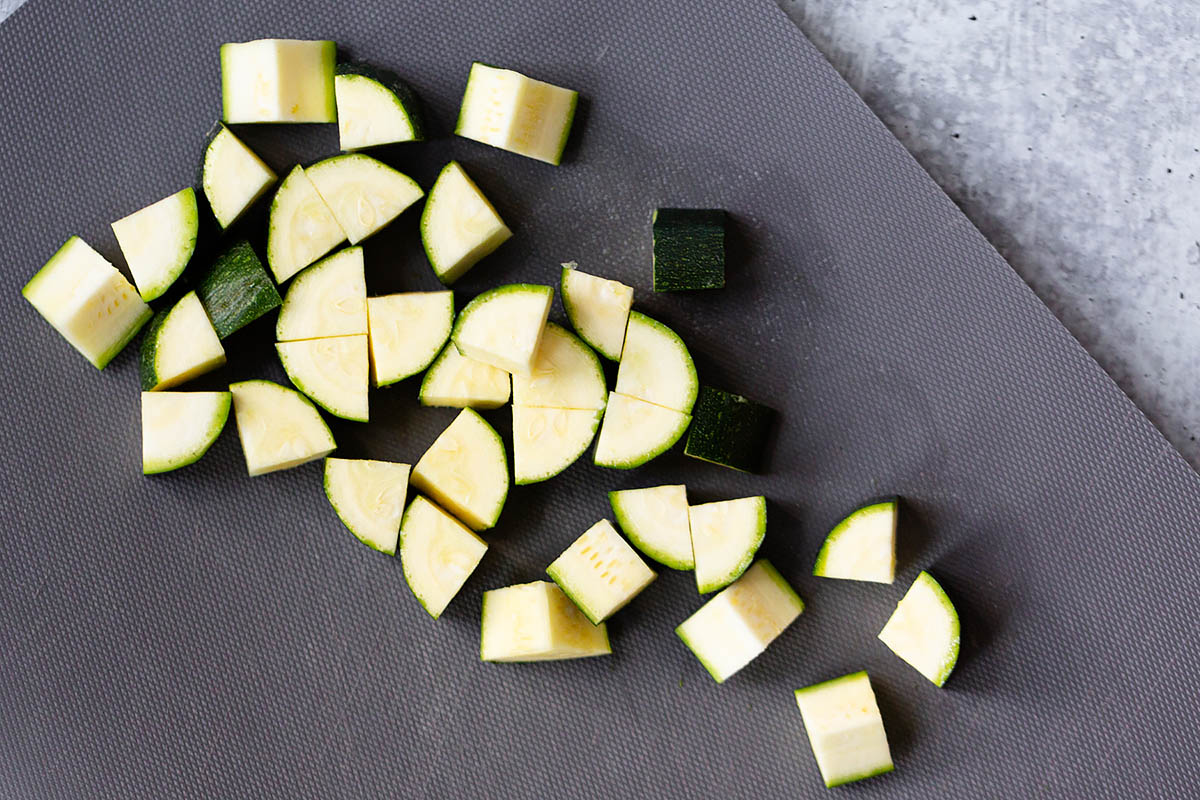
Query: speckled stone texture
1069,133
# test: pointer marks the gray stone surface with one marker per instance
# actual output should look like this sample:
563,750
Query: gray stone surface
1070,134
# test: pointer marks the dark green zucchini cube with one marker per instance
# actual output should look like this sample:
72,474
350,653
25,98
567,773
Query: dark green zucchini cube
237,290
729,430
689,249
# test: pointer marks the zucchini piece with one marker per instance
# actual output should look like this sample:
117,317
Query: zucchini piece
862,547
689,249
537,622
598,309
725,537
278,427
368,497
179,427
924,630
845,729
438,554
566,374
179,345
159,240
88,301
729,430
600,572
327,299
333,372
737,625
459,226
465,471
634,431
374,107
278,80
548,440
302,228
656,521
407,332
236,290
233,177
363,193
503,326
460,382
513,112
656,366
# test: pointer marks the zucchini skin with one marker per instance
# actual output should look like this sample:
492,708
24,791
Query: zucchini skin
729,430
236,289
689,249
146,367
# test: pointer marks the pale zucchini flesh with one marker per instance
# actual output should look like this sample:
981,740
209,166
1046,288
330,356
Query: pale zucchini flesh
634,432
158,241
233,177
333,372
368,497
180,344
465,471
600,572
566,374
301,228
438,554
278,80
656,521
598,309
725,537
279,428
363,193
924,630
862,547
407,331
656,366
374,108
504,326
548,440
327,299
845,729
514,112
459,382
459,226
179,427
537,622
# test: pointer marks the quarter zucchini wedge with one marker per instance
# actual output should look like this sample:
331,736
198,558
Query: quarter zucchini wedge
656,521
725,537
689,249
236,289
566,374
363,193
460,382
232,176
548,440
598,309
374,107
459,226
438,554
465,471
368,497
88,301
845,729
158,241
634,432
179,427
278,427
504,326
333,372
407,332
729,430
735,626
656,366
301,228
600,572
513,112
180,344
924,630
278,80
537,622
327,299
862,547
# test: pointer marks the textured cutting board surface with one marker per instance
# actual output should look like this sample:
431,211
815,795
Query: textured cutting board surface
202,634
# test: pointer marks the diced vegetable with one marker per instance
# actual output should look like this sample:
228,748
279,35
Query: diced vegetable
725,537
634,432
737,625
363,193
862,547
179,427
278,427
465,471
278,80
332,371
368,497
656,366
924,630
302,228
656,521
729,430
508,110
598,309
158,241
374,107
236,289
460,382
407,332
537,622
503,326
438,554
88,301
459,226
327,299
845,729
689,249
600,572
180,344
566,374
233,177
548,440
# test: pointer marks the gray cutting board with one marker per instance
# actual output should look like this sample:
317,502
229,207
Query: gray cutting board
203,634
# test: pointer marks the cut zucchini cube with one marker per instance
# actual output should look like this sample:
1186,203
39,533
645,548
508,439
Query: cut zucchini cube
729,430
327,299
656,366
233,177
634,432
88,301
456,381
566,374
363,193
598,309
734,627
278,80
466,471
301,227
845,729
504,326
537,622
548,440
689,249
278,427
438,554
508,110
179,427
236,289
374,107
180,344
407,330
862,547
924,630
600,572
158,241
725,537
656,521
332,371
368,497
459,226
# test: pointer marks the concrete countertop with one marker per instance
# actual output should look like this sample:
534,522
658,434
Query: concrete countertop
1070,134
